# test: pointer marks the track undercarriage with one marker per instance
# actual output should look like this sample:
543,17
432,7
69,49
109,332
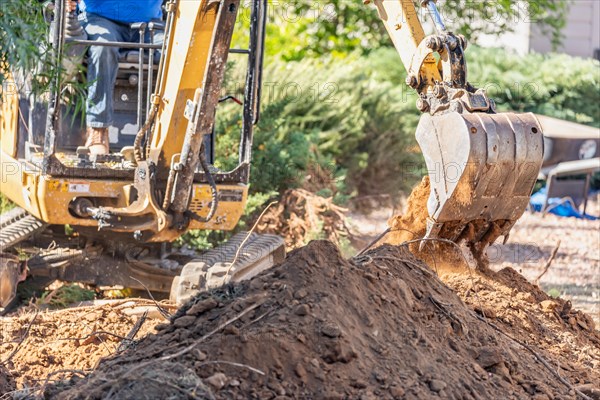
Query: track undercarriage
85,257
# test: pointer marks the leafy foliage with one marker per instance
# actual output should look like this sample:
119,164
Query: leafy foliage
22,36
336,27
354,120
66,295
5,204
556,85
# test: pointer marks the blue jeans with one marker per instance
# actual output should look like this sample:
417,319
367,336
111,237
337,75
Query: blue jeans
103,63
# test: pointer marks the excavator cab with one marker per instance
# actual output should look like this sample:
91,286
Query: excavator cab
44,174
126,208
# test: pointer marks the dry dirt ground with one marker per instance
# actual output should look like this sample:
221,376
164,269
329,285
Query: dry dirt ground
320,326
380,326
35,346
574,273
575,270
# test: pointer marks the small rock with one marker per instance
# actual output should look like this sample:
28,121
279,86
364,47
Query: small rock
91,317
301,338
231,330
300,294
276,387
315,363
161,327
185,321
302,310
397,392
548,306
502,371
331,330
202,306
300,371
488,357
256,284
437,385
200,356
405,292
359,384
217,380
485,311
418,294
234,383
581,323
566,308
370,277
340,352
380,377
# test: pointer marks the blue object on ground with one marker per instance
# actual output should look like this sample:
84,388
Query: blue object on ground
557,206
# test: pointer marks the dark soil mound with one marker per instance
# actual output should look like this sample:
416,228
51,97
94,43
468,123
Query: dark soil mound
321,327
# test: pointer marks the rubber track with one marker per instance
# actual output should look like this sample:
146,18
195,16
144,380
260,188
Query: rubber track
16,226
213,268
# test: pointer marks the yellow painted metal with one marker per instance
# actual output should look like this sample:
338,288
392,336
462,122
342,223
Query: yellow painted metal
228,212
48,198
185,64
18,182
402,23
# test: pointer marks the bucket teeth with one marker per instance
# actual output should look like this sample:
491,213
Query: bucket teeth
482,170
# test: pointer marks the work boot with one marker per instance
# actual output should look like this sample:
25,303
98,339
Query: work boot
97,141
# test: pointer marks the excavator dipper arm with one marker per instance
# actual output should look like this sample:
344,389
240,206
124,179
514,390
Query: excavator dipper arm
482,165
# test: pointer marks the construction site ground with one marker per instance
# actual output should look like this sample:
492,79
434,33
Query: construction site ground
384,325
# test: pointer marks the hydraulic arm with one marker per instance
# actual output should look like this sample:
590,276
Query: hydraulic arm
482,165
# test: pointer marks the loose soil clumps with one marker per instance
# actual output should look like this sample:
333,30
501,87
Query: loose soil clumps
382,326
413,223
301,216
37,344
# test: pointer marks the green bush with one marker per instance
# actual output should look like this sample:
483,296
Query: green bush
5,204
556,85
356,119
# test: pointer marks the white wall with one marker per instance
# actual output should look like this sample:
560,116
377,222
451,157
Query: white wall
581,35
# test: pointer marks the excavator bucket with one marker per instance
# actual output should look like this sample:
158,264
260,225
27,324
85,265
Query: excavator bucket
482,170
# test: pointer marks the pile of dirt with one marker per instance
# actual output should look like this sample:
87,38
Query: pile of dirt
319,326
508,300
301,216
35,346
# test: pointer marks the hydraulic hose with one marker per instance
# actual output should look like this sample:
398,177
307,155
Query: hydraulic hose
213,191
138,143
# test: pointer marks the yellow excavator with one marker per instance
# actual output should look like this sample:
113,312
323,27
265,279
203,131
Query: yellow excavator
159,180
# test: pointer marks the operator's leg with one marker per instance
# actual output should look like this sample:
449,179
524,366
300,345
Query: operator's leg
101,75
